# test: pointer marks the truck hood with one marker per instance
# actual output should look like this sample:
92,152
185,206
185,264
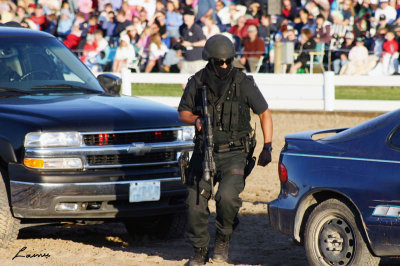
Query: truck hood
86,113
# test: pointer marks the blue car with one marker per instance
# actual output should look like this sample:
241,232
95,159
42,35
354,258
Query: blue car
340,194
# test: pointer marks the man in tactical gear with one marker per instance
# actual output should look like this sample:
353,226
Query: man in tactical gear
230,96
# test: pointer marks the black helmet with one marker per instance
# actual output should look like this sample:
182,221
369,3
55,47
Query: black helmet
218,46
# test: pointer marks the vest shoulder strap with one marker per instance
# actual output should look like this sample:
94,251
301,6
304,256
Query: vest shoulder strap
239,76
198,77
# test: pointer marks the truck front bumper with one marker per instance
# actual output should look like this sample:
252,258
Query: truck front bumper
97,195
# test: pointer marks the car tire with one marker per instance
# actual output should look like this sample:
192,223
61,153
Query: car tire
9,226
333,236
157,227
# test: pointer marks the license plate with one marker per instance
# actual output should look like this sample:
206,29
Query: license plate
144,191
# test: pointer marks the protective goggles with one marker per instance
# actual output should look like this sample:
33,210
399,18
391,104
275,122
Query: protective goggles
220,62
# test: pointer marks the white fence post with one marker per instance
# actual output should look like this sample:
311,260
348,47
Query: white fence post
329,91
126,82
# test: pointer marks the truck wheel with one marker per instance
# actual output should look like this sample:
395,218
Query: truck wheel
332,237
157,227
9,226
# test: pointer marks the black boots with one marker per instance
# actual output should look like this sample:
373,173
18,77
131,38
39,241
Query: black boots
200,257
221,248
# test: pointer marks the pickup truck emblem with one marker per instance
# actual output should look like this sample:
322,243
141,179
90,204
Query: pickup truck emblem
139,148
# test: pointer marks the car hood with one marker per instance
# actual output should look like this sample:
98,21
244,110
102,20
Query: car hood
86,113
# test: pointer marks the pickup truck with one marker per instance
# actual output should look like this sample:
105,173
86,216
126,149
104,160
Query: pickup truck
72,149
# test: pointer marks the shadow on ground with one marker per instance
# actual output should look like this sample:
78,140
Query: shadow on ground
253,243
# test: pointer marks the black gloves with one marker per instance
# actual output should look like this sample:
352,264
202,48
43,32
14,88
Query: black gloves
265,155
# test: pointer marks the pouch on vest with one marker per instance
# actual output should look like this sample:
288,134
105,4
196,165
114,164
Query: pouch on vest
234,116
226,116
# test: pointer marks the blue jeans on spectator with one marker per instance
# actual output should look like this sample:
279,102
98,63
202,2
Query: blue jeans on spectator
337,65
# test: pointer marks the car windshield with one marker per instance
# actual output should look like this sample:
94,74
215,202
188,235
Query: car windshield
42,65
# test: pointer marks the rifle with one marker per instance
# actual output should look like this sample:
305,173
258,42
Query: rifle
209,170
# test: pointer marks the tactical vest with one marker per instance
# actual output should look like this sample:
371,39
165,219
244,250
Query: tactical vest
230,113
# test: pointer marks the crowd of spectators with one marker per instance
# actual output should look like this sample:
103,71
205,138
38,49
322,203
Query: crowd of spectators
168,36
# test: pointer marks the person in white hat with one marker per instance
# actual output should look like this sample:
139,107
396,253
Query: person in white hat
360,63
384,9
341,56
124,55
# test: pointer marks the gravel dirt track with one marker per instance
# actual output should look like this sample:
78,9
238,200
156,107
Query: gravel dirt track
253,243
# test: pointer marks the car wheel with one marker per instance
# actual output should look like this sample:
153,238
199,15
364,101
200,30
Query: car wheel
157,227
9,226
332,237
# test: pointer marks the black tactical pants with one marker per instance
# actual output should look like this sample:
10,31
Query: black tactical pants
230,167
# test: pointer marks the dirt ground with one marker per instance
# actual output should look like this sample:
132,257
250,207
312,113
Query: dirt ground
253,243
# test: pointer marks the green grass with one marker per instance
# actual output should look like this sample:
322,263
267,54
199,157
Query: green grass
367,93
350,93
145,89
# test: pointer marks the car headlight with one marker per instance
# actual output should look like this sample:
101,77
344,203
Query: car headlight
53,163
186,133
52,139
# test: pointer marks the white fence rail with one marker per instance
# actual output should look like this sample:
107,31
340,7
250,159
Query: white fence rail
287,91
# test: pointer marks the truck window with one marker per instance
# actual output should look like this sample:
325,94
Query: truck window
28,62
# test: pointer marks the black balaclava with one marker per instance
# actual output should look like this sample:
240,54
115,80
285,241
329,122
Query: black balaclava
221,73
213,79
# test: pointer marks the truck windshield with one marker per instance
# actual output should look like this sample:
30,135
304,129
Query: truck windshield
29,63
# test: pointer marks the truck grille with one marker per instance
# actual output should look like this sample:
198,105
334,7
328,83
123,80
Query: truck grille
118,159
155,147
127,138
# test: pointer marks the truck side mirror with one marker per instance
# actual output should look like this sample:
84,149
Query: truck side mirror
110,83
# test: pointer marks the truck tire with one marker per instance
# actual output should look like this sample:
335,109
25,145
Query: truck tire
9,226
333,236
157,227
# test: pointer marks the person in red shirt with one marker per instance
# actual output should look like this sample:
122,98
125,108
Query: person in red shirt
30,10
89,49
39,18
254,48
72,40
241,28
390,45
389,59
288,11
93,24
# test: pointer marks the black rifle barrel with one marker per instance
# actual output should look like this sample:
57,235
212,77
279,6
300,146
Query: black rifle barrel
208,148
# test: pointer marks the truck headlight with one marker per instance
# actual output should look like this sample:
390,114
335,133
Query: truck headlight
52,139
186,133
53,163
